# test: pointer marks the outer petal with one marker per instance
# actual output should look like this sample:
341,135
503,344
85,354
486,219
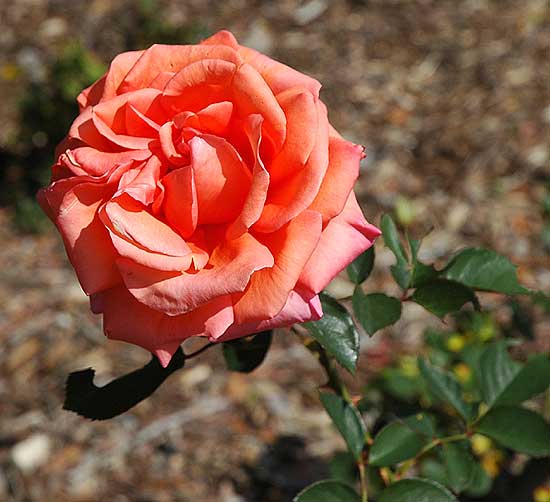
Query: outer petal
106,87
343,170
301,306
343,239
278,76
126,319
72,204
232,264
291,246
160,58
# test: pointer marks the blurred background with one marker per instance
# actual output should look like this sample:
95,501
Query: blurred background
452,100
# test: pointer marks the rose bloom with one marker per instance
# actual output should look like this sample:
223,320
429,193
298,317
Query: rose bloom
202,192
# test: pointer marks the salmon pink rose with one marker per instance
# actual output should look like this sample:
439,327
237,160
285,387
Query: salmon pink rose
202,192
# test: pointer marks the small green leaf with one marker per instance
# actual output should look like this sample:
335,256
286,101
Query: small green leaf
246,354
416,490
336,332
329,490
445,387
401,275
434,470
441,297
517,428
375,311
459,465
484,270
391,238
395,443
347,420
400,270
360,268
420,273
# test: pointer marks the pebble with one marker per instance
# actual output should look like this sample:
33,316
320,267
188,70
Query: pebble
309,12
32,452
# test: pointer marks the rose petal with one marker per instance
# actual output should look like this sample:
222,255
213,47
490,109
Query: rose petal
229,270
255,200
342,172
221,179
222,37
278,76
156,331
72,205
291,247
301,306
89,161
180,204
105,88
251,95
302,125
344,238
130,220
293,195
198,85
160,58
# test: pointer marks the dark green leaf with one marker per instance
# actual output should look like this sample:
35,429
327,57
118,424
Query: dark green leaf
434,470
329,490
100,403
343,467
533,379
246,354
459,464
336,332
420,273
416,490
496,371
360,268
375,311
504,381
422,423
444,386
485,270
402,386
394,443
347,420
481,482
517,428
441,297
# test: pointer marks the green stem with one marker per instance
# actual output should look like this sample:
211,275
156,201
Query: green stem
430,446
336,384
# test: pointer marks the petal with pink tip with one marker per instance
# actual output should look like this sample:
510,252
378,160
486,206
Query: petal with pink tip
342,172
343,239
291,246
